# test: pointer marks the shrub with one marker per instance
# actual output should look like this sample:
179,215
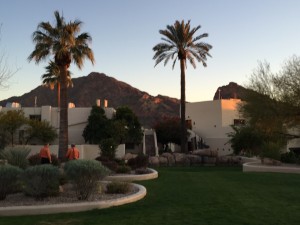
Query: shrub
16,156
36,160
85,174
270,150
118,188
289,157
110,164
108,148
9,180
41,181
141,161
123,169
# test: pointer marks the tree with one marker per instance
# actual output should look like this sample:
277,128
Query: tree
96,129
5,71
134,132
12,120
66,44
51,79
41,130
168,131
180,43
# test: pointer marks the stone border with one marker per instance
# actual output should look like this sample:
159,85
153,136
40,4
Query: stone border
258,167
133,177
73,207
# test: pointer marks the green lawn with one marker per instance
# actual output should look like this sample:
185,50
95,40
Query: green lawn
197,195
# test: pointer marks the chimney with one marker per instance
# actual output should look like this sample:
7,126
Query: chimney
98,102
105,103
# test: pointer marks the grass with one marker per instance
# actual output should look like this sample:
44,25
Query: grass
196,195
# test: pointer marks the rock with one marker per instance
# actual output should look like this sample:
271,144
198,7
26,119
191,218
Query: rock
194,159
205,152
154,161
181,159
170,158
128,156
163,161
272,162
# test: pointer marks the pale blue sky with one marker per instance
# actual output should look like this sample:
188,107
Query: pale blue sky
125,31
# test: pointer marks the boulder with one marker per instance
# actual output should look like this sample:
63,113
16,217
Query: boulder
269,161
181,159
154,161
170,158
194,159
207,160
163,161
205,152
128,156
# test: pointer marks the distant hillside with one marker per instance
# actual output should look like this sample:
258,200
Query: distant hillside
232,90
95,86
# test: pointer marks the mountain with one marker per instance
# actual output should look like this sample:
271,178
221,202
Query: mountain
232,90
88,89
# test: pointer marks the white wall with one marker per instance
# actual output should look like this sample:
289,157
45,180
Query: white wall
211,120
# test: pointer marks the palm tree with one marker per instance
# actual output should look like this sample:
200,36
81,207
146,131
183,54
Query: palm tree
51,78
179,42
66,44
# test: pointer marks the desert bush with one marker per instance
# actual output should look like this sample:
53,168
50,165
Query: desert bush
16,156
270,150
41,181
289,157
110,164
36,160
108,148
9,180
123,169
118,188
85,174
141,161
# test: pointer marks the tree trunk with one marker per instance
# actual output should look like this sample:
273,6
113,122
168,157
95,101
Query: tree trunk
63,122
182,107
58,94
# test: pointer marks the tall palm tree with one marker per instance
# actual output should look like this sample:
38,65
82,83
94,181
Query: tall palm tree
179,43
51,79
66,44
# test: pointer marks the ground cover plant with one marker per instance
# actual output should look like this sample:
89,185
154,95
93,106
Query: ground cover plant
197,195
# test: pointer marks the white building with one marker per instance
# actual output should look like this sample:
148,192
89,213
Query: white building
212,120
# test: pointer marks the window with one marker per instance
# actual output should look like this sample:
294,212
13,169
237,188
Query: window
238,122
35,117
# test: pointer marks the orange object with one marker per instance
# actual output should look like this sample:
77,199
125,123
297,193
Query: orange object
45,152
73,153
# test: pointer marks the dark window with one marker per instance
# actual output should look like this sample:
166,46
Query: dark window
35,117
238,122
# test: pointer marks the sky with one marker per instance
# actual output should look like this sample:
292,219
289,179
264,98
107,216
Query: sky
242,33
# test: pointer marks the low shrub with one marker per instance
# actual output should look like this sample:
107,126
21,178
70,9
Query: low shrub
9,180
16,156
123,169
36,160
141,161
271,150
85,175
118,188
110,164
41,181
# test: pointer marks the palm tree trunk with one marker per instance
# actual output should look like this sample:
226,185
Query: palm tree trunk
182,107
58,94
63,122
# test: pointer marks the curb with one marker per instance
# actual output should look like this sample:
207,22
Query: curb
133,177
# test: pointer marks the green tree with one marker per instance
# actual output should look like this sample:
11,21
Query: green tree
180,42
41,130
168,130
65,42
134,132
51,79
12,120
96,130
